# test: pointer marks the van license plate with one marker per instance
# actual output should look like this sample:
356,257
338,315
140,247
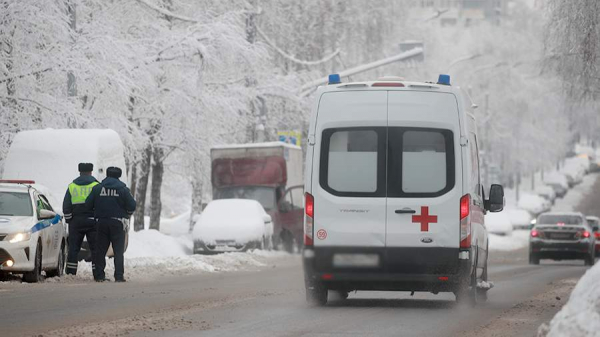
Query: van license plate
356,260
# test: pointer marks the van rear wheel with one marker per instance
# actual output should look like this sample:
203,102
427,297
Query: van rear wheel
482,292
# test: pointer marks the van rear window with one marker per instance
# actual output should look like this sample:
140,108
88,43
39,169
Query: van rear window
353,161
393,162
421,162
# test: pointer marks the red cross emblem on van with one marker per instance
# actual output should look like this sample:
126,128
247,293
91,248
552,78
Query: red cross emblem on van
424,219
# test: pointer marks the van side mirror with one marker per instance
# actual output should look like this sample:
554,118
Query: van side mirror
267,219
496,201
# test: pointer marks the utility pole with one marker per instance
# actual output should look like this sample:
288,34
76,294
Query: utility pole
71,82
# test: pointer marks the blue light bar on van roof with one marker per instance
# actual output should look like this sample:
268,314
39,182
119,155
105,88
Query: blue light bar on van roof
334,79
444,79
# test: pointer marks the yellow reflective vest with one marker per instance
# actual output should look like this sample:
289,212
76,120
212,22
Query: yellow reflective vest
80,192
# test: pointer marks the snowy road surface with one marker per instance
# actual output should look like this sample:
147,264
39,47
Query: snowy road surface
271,302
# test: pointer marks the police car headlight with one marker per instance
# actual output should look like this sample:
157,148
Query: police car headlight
18,237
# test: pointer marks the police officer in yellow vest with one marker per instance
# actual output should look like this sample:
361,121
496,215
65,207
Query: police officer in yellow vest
81,222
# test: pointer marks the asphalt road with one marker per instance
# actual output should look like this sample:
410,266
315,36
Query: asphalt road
270,302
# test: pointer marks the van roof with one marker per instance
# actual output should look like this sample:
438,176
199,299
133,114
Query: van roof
390,84
399,84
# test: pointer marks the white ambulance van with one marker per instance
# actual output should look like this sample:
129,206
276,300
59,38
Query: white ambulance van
394,199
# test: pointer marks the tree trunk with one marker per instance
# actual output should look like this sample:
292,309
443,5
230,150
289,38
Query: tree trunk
133,181
157,177
131,164
196,198
141,189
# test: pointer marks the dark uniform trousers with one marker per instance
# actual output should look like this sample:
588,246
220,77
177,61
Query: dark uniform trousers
80,227
110,231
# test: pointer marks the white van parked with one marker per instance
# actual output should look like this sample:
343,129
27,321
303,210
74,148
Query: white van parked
394,199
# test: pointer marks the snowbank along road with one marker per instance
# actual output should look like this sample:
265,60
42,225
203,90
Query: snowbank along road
268,299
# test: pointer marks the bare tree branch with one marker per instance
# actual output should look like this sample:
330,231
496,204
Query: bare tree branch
292,58
167,13
27,100
24,75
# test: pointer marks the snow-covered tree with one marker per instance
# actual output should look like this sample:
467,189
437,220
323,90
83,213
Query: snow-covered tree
573,45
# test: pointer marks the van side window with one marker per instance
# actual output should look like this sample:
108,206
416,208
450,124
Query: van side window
475,183
353,161
421,162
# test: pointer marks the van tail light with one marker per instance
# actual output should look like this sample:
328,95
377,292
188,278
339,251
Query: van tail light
465,221
586,234
597,235
309,209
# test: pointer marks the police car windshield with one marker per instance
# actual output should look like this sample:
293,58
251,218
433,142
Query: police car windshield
15,204
264,195
559,219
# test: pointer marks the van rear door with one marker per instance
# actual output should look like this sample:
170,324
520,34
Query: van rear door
424,183
348,178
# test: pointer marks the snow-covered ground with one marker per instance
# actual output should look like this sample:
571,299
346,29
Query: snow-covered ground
152,254
581,315
144,268
517,240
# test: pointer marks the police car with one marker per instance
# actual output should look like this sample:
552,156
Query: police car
394,199
32,235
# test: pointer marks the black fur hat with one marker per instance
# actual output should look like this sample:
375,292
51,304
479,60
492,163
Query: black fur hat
86,167
113,172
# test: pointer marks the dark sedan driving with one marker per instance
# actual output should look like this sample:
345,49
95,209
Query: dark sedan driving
561,236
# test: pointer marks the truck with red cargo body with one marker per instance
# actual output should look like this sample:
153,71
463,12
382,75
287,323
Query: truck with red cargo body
270,173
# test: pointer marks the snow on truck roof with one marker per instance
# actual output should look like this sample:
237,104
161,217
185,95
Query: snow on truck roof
85,139
51,156
256,145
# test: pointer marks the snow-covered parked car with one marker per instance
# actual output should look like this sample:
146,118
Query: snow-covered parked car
232,225
533,203
498,223
32,235
519,218
558,181
575,168
546,192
